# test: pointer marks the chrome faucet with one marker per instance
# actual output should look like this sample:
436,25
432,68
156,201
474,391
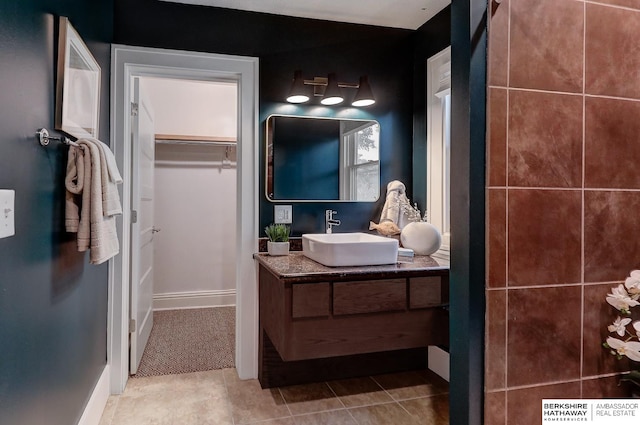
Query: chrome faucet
329,221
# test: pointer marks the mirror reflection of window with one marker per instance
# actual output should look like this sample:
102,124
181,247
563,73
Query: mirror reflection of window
439,145
361,163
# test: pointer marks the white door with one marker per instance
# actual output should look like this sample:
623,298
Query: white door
142,230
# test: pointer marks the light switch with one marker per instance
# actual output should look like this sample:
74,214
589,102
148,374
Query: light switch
7,213
282,214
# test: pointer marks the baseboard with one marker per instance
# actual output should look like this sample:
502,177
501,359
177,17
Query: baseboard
194,299
439,361
98,400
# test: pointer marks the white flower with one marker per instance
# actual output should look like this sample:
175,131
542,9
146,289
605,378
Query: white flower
620,326
629,349
636,326
619,298
633,284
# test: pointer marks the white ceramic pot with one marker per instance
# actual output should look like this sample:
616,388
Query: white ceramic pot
278,248
422,237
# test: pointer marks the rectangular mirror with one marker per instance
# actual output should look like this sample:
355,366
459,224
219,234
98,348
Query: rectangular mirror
77,85
311,159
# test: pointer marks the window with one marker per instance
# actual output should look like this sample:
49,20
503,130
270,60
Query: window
439,144
360,158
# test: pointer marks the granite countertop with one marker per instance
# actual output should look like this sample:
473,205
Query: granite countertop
299,268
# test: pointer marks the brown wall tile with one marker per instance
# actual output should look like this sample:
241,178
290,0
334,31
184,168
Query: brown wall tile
612,52
634,4
497,140
544,147
495,412
598,314
498,44
612,151
496,341
544,237
525,405
546,49
496,238
545,139
611,230
609,387
543,335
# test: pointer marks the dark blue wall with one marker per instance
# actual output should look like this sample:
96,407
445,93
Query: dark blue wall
285,44
53,304
430,38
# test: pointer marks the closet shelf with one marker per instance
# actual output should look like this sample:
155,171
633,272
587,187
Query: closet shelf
171,139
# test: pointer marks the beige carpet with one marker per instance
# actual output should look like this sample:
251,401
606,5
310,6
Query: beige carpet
190,340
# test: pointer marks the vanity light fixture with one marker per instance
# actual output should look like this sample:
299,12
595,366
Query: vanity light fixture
364,95
329,89
332,95
297,93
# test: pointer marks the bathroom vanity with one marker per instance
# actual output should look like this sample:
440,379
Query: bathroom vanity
319,323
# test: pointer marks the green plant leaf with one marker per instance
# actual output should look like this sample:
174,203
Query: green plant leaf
277,232
633,377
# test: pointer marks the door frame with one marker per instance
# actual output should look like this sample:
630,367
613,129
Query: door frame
132,61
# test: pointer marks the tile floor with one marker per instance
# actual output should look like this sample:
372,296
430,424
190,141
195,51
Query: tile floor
219,397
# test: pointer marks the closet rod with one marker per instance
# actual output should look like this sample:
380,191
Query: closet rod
194,143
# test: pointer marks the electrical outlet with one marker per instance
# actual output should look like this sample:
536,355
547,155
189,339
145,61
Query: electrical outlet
7,213
282,214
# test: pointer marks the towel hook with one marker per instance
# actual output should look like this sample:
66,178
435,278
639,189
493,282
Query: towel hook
44,138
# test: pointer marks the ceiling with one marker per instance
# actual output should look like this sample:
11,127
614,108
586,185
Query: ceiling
409,14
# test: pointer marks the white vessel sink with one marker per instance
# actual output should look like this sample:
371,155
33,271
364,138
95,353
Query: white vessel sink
349,249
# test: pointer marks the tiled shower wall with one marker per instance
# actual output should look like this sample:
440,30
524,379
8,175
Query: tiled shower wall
563,197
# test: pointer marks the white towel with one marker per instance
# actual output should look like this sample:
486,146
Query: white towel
84,222
110,197
395,200
73,182
103,239
114,173
91,200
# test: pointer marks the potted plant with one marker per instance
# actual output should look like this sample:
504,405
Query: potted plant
278,235
625,339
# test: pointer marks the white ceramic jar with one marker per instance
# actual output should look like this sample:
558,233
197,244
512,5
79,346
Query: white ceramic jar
422,237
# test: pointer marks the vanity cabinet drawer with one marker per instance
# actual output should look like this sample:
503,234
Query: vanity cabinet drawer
310,300
369,296
427,291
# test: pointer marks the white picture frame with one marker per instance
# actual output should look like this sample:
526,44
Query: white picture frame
77,85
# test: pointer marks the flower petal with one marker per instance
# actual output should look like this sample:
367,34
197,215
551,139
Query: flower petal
619,290
633,285
619,326
633,355
615,343
620,299
616,303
